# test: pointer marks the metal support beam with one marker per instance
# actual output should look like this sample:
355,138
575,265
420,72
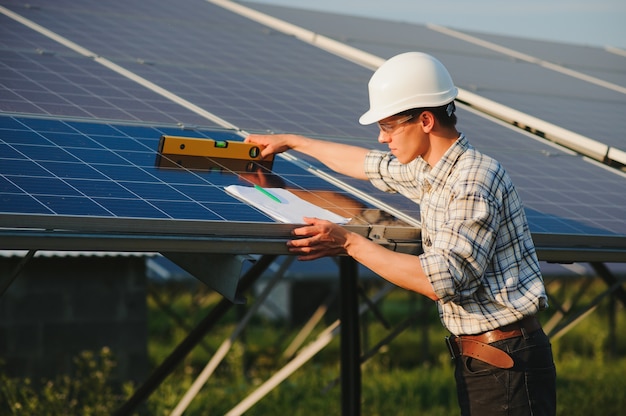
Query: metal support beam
217,358
575,318
192,339
304,355
618,294
610,280
5,283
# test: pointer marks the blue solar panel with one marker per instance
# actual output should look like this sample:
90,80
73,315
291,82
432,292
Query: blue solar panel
252,77
40,76
105,172
99,169
534,88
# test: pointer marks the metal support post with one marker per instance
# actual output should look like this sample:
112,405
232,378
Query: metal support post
350,341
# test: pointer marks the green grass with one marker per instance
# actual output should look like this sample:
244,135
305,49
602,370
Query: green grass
411,375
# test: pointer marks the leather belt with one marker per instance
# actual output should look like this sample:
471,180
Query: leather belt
529,325
477,346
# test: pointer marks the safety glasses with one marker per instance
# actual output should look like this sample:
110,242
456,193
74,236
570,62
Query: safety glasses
389,126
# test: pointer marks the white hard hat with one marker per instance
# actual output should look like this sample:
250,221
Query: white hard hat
406,81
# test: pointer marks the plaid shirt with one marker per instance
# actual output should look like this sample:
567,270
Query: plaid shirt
478,252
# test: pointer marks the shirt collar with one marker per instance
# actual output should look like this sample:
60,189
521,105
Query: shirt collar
440,172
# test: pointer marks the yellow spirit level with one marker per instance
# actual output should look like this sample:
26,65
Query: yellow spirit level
214,164
225,149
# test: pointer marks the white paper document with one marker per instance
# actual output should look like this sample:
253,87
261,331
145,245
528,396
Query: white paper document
290,209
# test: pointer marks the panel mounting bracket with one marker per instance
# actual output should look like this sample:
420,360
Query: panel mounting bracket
221,272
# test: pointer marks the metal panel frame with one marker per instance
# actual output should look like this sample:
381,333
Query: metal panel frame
25,232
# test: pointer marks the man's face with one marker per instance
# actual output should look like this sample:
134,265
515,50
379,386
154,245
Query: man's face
403,136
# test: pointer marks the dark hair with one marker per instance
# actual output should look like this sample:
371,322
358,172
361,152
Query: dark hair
440,113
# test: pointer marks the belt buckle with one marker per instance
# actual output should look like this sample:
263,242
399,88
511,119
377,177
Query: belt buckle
453,348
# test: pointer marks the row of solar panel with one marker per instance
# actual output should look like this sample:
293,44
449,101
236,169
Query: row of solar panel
255,79
555,82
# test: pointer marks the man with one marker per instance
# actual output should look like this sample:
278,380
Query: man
479,262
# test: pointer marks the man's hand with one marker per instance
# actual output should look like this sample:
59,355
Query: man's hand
320,238
270,143
346,159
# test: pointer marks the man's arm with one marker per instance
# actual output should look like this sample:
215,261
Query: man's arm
320,238
342,158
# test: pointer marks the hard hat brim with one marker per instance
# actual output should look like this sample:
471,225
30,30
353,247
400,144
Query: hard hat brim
371,117
376,114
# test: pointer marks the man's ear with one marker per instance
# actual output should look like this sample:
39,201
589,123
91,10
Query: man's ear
427,121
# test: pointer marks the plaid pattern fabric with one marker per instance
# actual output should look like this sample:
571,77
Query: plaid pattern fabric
478,251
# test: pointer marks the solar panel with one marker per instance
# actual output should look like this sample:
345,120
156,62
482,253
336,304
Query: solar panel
574,81
41,76
55,167
258,80
596,62
252,77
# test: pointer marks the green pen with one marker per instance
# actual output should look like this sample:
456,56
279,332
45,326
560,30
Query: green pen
267,193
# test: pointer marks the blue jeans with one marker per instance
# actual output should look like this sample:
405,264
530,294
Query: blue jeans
529,388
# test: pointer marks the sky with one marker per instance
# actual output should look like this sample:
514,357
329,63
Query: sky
582,22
